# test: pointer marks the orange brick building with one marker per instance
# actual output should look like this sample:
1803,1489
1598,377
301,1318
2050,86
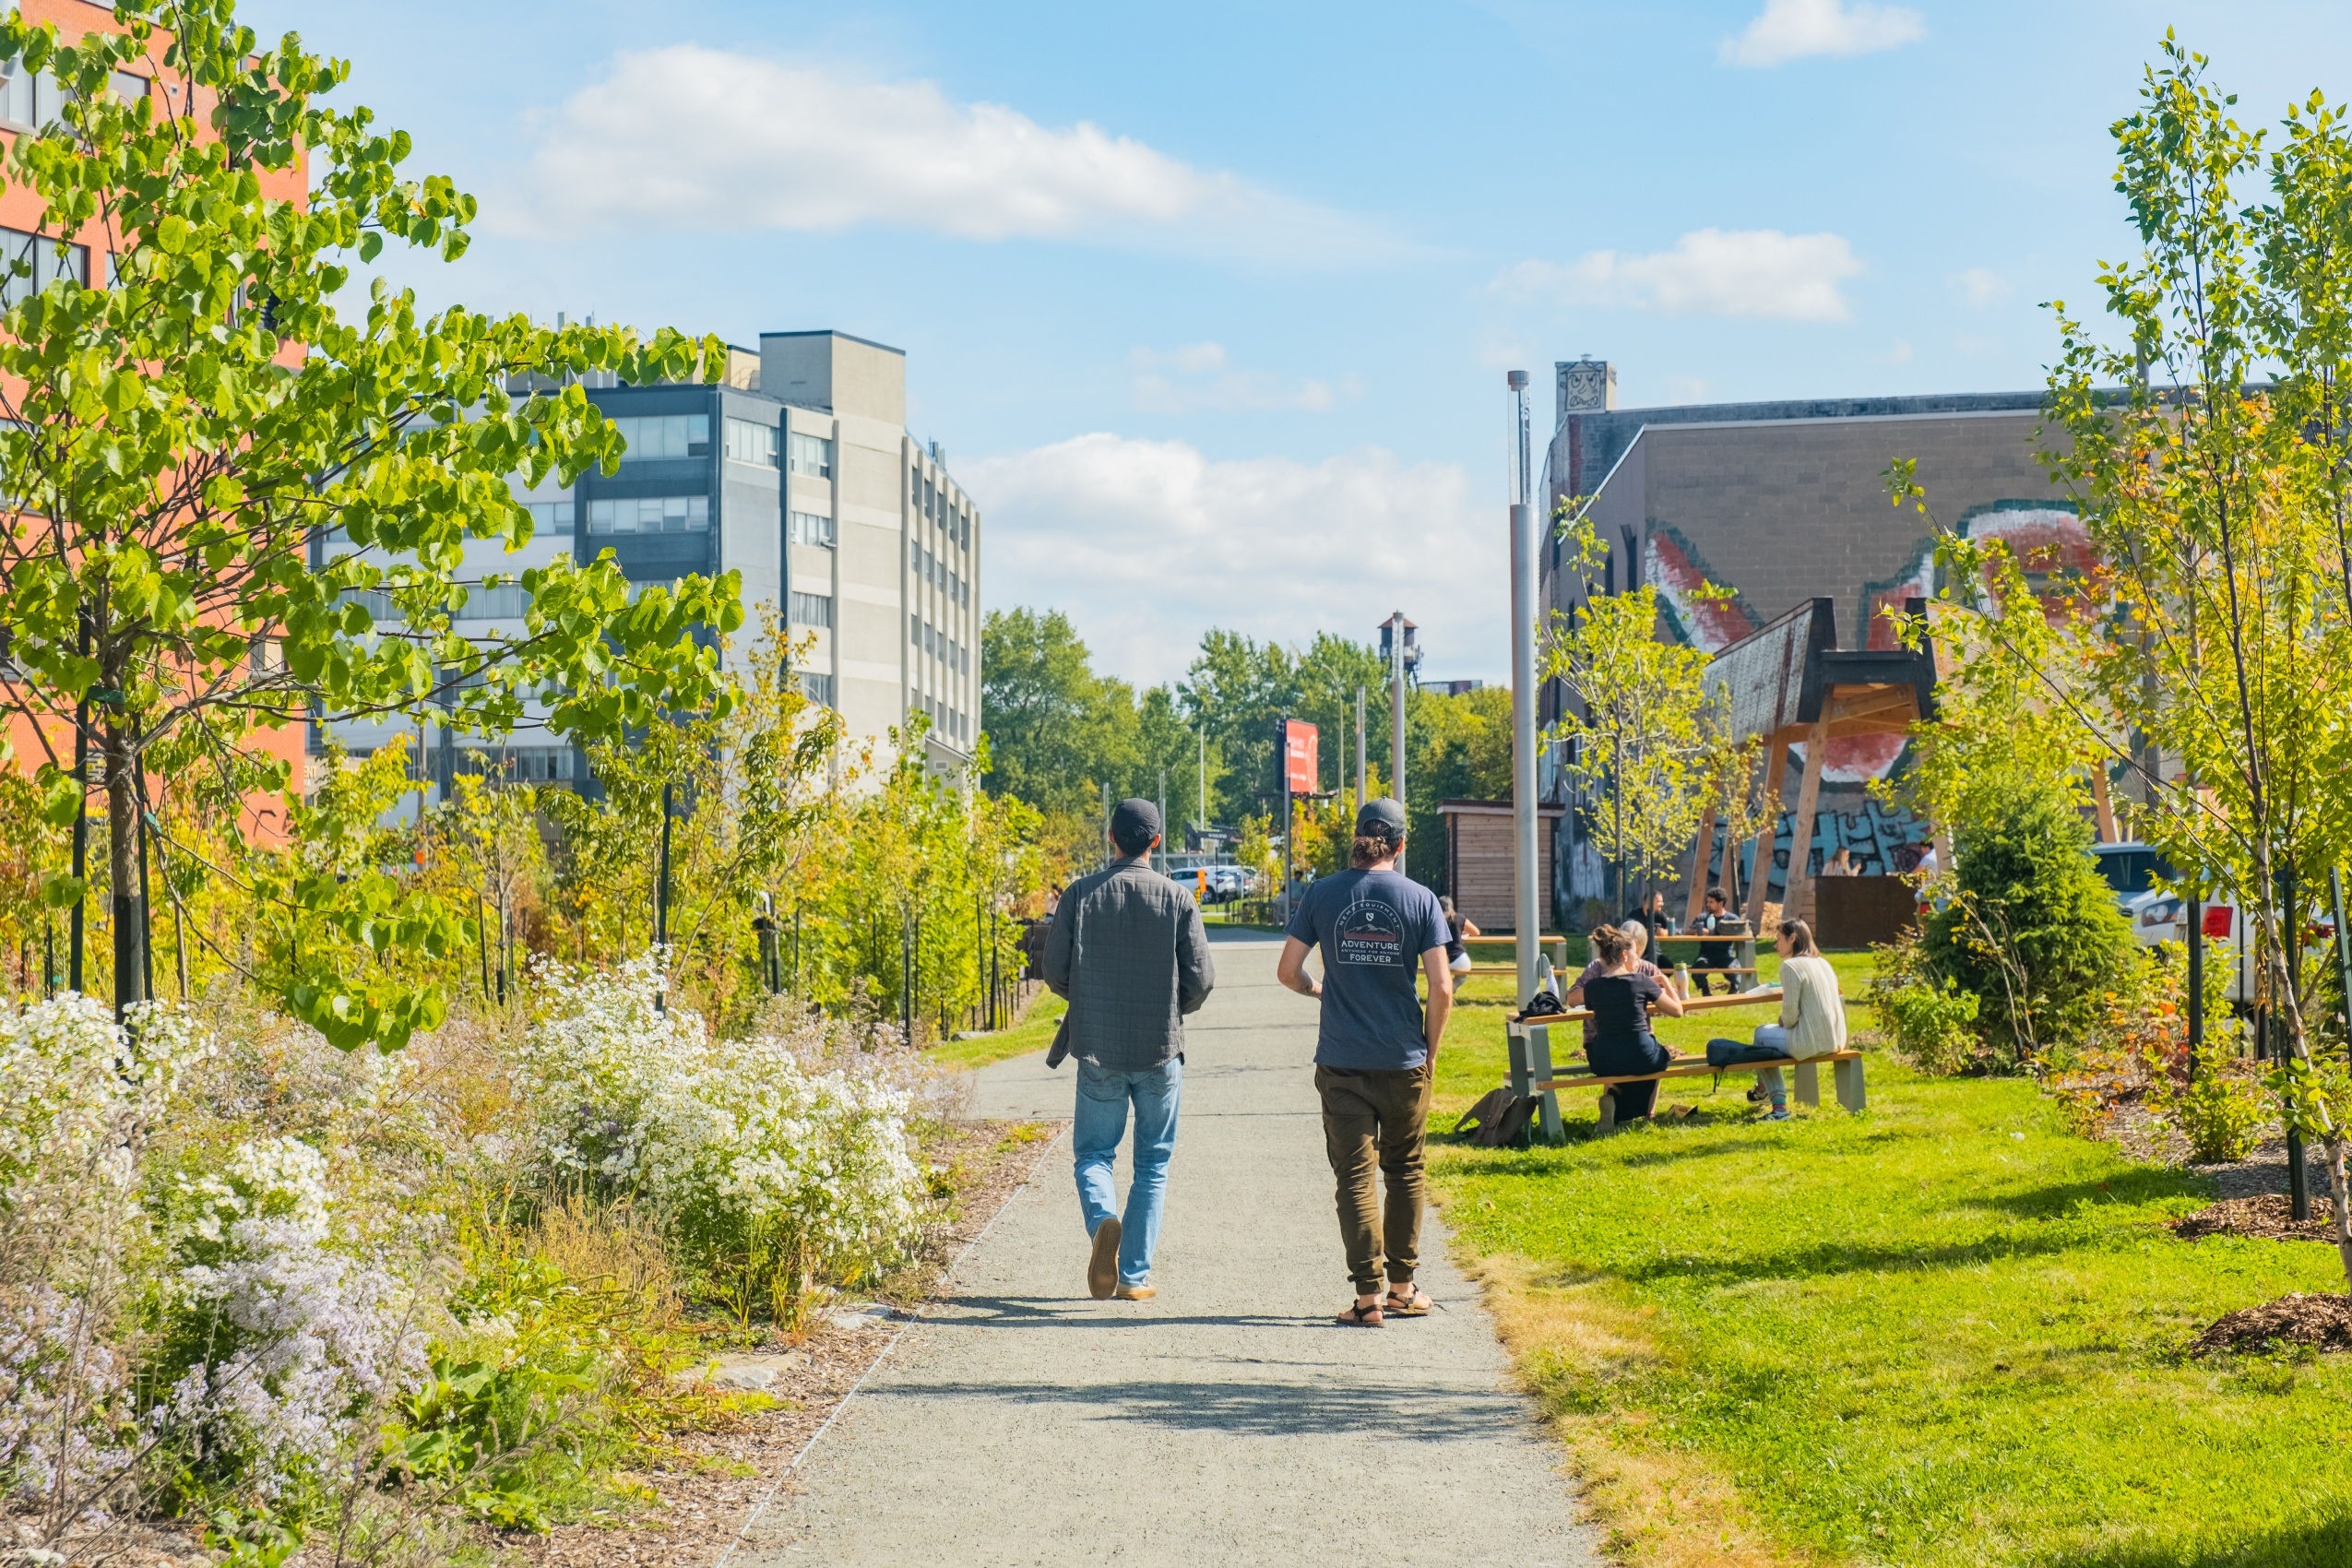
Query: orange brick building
28,100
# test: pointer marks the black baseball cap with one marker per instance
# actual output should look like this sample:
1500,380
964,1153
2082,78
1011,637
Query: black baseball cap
1134,820
1383,818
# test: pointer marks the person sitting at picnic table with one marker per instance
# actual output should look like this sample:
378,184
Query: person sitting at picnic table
1716,956
1636,938
1457,926
1813,1014
1654,912
1622,997
1841,864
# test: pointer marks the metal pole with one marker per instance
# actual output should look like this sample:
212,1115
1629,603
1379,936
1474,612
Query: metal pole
2342,951
1200,805
2197,999
1363,795
1527,893
1396,707
1282,761
1526,860
1163,819
2298,1179
660,900
78,922
147,900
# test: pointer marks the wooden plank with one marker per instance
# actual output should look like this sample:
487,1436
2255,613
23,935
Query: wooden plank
1696,1004
1688,1067
1795,894
2102,805
1760,878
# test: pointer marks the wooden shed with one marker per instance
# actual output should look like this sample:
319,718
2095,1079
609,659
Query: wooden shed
1477,861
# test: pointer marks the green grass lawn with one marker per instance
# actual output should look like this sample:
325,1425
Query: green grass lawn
1945,1332
1034,1032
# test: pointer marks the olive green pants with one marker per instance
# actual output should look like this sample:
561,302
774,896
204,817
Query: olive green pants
1377,1119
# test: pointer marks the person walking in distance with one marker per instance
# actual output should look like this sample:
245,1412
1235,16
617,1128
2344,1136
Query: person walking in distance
1127,951
1375,1051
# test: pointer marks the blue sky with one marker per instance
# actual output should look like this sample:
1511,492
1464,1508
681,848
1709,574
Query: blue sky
1210,305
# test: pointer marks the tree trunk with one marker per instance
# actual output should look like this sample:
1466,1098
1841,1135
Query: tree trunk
122,806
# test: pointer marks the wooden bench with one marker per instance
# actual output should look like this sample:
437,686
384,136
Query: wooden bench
1845,1065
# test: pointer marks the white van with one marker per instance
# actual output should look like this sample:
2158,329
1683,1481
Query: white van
2133,869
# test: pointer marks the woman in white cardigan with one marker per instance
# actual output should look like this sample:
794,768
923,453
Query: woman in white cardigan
1813,1015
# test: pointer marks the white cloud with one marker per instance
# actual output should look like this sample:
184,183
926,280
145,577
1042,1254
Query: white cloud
1146,544
1981,287
1747,272
1794,29
1900,354
1206,381
689,137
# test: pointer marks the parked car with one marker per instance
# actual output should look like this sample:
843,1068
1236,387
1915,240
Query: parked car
2134,870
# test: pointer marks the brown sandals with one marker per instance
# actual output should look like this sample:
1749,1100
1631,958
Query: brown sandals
1360,1317
1413,1304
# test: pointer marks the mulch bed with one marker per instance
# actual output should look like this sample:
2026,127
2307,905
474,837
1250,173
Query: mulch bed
2325,1323
704,1502
2266,1215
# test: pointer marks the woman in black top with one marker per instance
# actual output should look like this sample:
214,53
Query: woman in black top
1622,998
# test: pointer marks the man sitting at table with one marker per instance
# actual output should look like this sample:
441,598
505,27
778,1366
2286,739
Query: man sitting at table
1716,957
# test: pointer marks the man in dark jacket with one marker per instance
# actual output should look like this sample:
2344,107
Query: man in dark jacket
1128,952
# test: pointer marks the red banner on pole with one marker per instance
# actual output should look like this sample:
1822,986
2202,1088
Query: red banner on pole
1300,766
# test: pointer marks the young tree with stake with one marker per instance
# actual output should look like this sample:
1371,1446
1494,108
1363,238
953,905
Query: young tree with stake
183,426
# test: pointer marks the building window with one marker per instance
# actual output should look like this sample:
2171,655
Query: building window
812,610
819,688
915,630
507,601
377,603
810,455
28,98
650,514
811,528
750,442
38,253
664,435
549,515
127,86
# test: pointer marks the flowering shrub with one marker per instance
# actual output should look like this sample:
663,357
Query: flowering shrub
768,1176
78,1097
282,1344
593,1064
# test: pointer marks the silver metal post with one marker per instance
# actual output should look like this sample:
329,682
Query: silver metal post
1527,888
1396,707
1526,904
1362,794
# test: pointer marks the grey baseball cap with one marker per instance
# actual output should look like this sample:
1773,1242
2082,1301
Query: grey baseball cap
1383,818
1132,819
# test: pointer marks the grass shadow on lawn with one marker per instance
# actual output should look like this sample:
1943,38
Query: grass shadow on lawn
1945,1333
2320,1543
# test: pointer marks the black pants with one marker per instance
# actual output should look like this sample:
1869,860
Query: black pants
1635,1053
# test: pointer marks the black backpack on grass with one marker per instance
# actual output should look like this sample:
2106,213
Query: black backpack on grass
1499,1119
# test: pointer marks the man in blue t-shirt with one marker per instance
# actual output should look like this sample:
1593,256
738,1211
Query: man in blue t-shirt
1376,1051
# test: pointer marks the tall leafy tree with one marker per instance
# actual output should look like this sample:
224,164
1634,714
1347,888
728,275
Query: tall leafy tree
186,425
2204,445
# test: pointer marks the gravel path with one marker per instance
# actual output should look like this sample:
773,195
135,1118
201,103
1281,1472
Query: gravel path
1226,1423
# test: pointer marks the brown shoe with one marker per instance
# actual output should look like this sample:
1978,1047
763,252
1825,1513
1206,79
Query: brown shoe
1102,1268
1137,1292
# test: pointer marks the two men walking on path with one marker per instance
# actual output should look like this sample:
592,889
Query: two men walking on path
1375,1051
1128,952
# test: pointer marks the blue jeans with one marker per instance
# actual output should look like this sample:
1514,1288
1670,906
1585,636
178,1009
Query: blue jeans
1101,1120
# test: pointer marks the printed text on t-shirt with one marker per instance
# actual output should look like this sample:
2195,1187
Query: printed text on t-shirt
1371,931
